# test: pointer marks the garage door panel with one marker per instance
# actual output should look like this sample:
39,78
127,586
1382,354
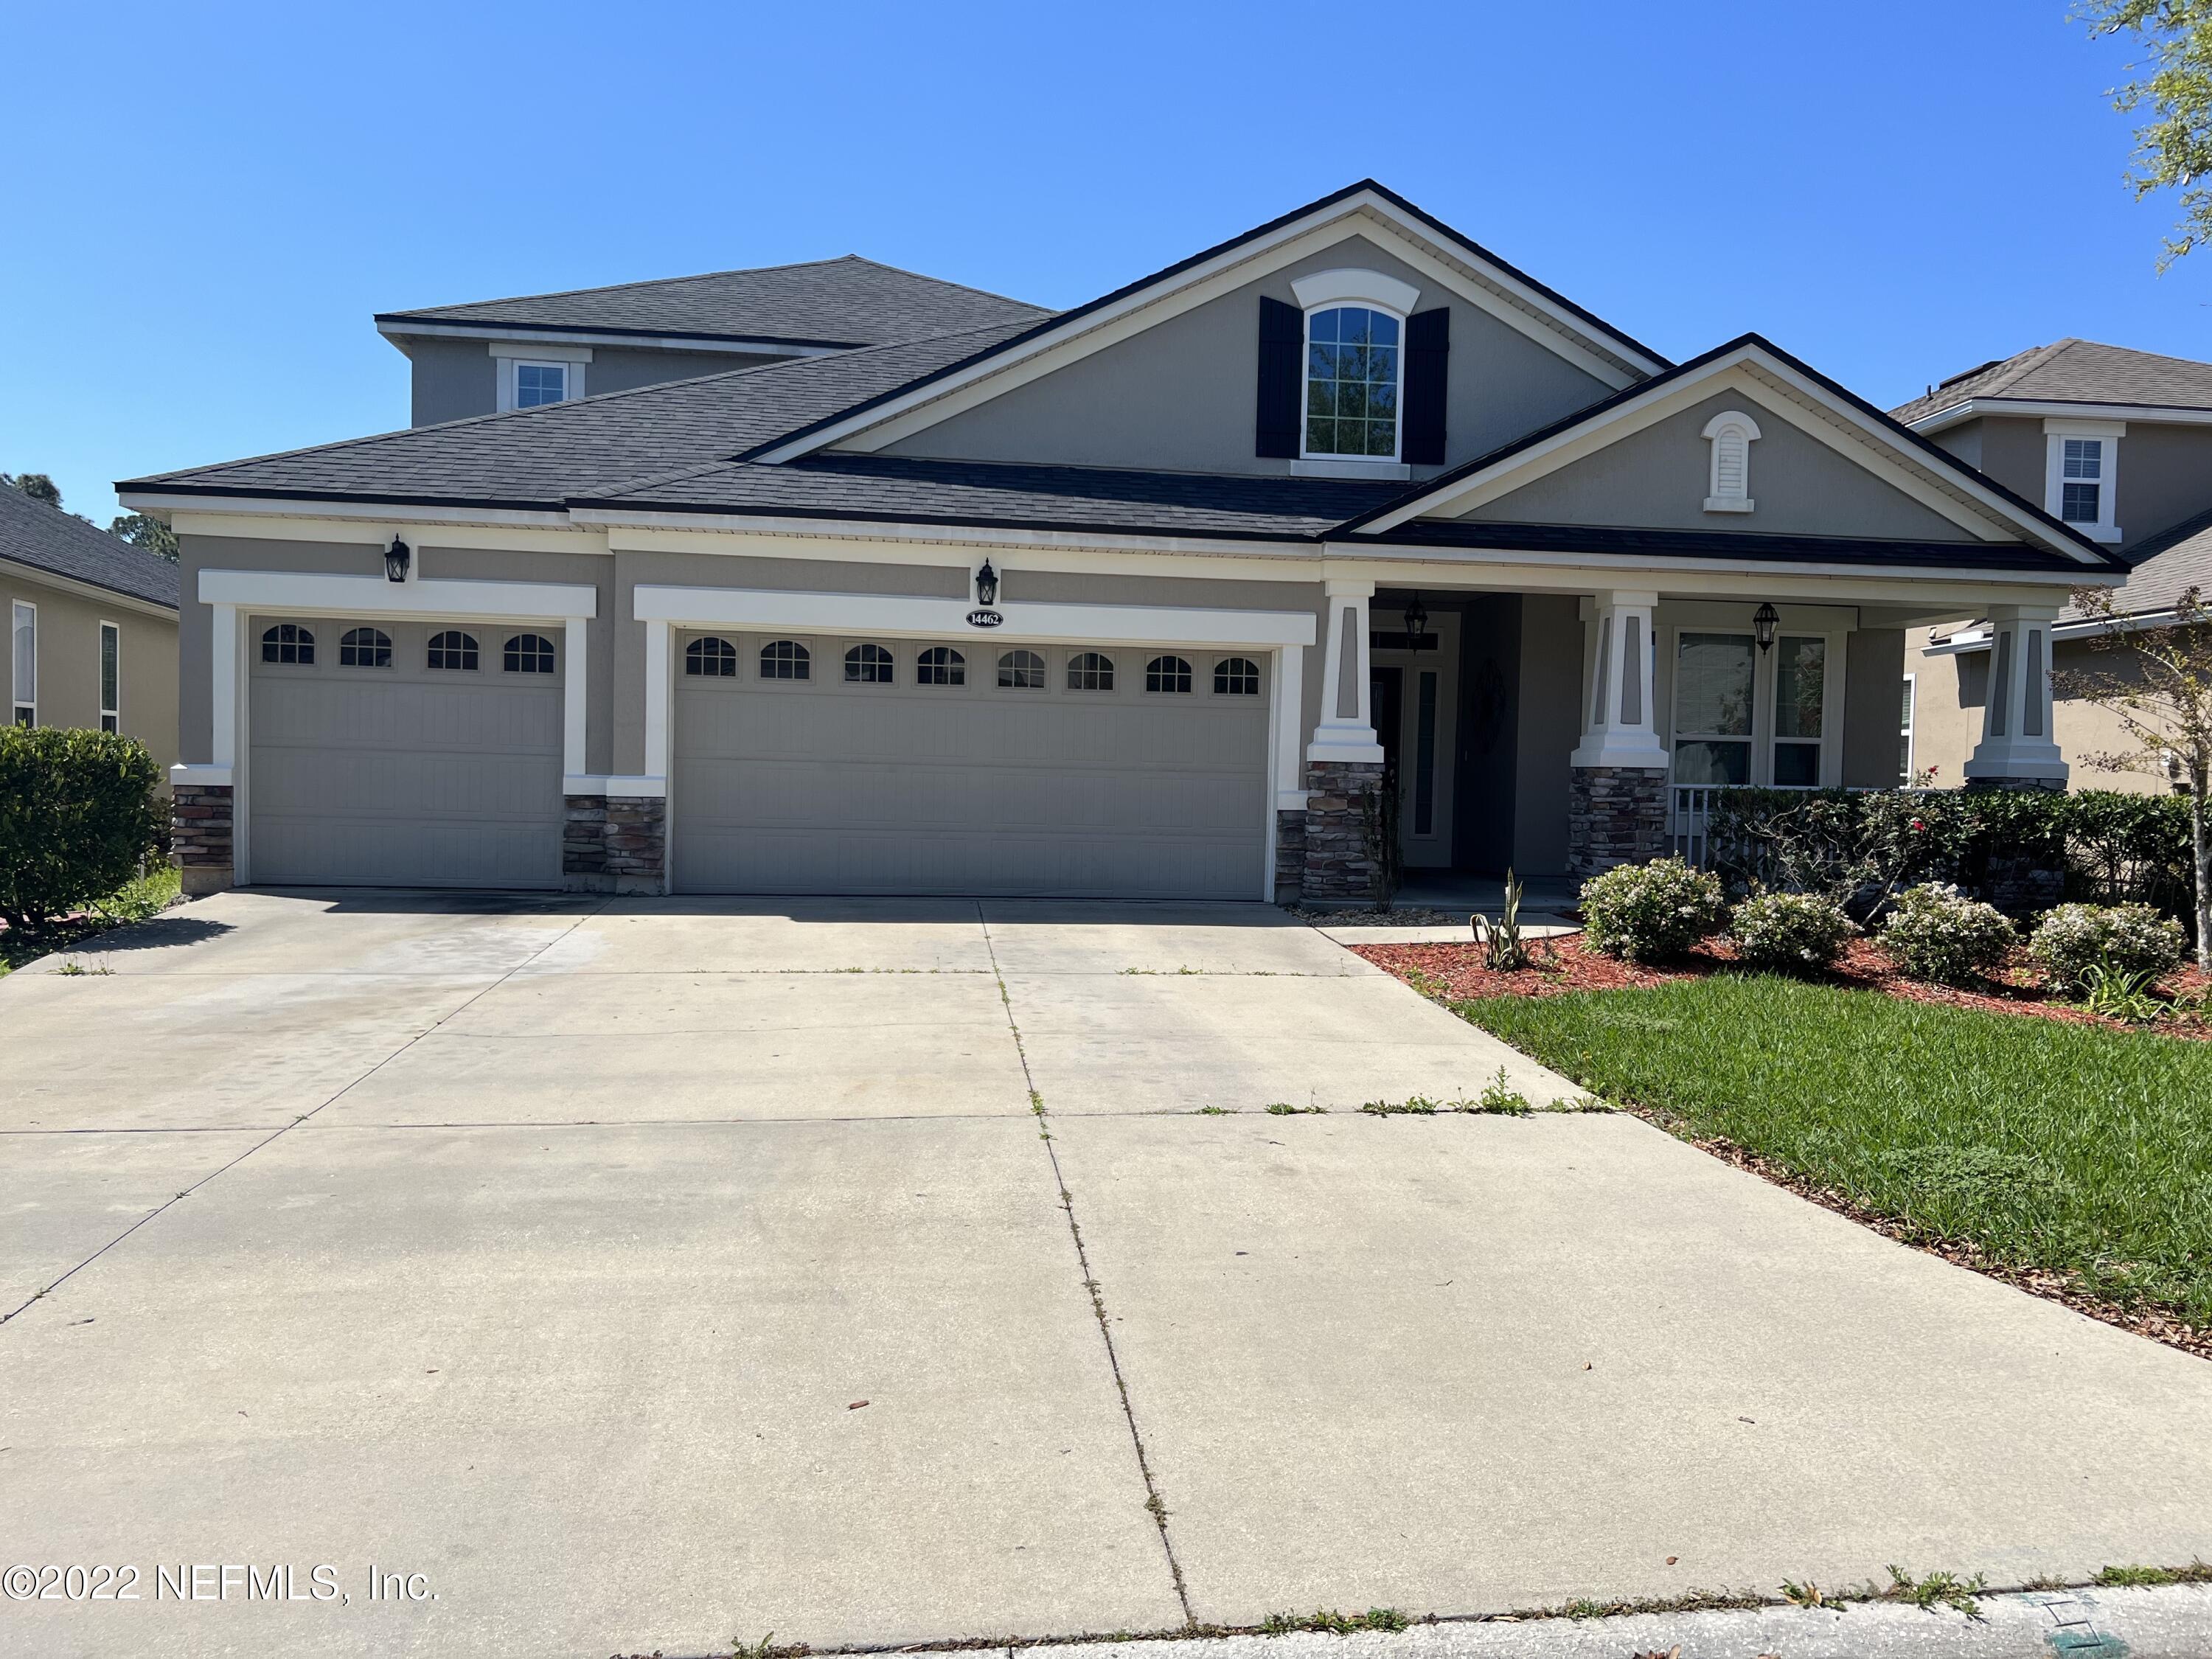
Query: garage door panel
826,786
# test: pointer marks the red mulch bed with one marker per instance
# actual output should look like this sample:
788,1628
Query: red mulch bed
1456,971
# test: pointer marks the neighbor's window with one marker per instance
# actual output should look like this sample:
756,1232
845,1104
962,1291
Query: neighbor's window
1713,679
1021,671
540,383
1167,674
111,677
1090,670
785,659
1904,736
24,635
1352,383
1236,677
528,654
2080,487
364,648
941,665
716,659
454,649
288,642
869,665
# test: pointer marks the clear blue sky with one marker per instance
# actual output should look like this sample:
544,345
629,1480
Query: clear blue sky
206,202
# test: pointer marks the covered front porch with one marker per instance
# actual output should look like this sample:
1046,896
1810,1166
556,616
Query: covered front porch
1474,729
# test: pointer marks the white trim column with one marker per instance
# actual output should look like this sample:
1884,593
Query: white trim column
1346,731
2017,746
1283,734
1618,724
576,695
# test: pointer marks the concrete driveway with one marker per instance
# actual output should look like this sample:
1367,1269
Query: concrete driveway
642,1274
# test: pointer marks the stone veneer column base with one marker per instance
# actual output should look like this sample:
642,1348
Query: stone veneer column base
1290,856
1615,815
614,844
200,837
1337,869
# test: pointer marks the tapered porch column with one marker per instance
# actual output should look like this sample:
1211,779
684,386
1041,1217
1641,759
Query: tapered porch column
2017,751
1344,761
1617,798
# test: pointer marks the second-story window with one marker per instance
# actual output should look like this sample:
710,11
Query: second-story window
2081,480
540,383
1352,383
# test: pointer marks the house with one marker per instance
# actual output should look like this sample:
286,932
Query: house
2118,443
91,621
1148,598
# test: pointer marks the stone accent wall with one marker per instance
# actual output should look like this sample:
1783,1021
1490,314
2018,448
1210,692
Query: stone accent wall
1337,869
1615,815
1290,856
614,844
200,837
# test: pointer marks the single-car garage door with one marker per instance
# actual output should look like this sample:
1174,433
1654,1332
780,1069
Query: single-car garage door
825,765
403,754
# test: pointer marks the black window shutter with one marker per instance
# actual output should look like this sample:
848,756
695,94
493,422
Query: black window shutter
1282,352
1428,355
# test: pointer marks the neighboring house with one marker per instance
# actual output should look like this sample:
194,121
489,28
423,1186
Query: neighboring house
1138,599
2116,443
91,623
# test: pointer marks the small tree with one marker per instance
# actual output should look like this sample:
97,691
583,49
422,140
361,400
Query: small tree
2163,702
77,816
143,530
2173,148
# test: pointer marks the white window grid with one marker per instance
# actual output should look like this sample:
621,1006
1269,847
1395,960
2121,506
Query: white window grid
23,634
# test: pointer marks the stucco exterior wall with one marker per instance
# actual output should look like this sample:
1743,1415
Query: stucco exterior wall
453,380
68,661
1659,478
2166,476
1179,396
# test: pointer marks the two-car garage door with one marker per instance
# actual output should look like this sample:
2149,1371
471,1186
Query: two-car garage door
826,765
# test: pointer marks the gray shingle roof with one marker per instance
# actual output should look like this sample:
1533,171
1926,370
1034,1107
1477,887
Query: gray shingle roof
2079,372
977,493
46,538
541,457
847,301
2164,566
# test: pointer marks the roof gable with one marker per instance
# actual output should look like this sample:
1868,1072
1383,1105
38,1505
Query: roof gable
1809,400
1440,254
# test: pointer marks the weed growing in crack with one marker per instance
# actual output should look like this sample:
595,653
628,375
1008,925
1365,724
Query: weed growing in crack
1217,1111
1943,1589
2196,1572
1334,1624
1283,1109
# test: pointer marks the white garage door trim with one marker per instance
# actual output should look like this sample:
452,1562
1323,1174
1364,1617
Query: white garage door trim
234,593
1283,634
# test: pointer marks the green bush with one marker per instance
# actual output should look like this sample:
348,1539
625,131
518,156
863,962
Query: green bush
1937,933
1651,912
77,815
1788,933
2074,939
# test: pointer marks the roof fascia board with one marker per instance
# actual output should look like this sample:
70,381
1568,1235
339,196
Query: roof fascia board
77,587
1962,644
768,345
308,504
1974,409
1632,414
614,520
1120,315
374,532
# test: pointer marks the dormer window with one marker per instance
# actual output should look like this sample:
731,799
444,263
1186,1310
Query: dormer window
532,373
1728,484
540,383
2081,478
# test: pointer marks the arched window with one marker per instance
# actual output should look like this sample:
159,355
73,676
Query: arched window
1730,432
1021,671
528,654
454,649
1236,677
1352,362
868,665
716,659
364,648
288,642
1090,670
1167,674
941,665
785,659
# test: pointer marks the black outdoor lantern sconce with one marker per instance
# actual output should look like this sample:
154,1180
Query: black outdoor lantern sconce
395,560
1762,625
1417,622
986,585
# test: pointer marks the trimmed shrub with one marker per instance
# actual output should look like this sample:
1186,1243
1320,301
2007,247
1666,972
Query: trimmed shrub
1937,933
2115,938
1788,933
78,814
1650,912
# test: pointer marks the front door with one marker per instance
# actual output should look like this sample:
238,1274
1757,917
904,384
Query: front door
1411,693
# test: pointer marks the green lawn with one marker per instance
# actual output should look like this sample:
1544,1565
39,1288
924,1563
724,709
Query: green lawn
2046,1144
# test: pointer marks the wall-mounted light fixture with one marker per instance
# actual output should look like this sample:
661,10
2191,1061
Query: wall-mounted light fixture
1762,625
986,585
396,558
